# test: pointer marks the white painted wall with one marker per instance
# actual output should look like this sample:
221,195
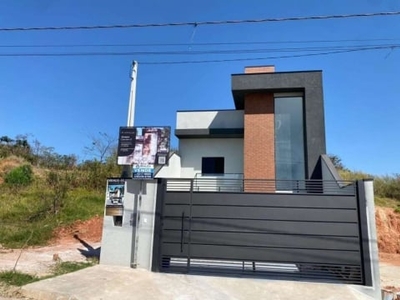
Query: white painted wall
173,170
146,220
192,151
210,119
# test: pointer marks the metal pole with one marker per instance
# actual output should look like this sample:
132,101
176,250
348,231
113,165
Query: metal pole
127,170
132,96
135,232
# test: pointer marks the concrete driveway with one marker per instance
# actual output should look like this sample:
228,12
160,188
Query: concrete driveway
110,282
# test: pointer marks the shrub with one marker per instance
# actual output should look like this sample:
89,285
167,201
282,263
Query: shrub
19,176
58,185
388,186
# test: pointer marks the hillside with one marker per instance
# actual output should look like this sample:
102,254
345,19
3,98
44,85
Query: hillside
42,192
47,198
388,227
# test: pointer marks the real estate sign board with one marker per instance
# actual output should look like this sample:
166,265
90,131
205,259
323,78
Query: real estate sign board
143,148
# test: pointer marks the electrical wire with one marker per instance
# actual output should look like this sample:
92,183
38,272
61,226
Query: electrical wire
203,23
215,51
382,47
264,58
195,44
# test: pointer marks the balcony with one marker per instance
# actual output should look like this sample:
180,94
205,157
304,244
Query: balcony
235,183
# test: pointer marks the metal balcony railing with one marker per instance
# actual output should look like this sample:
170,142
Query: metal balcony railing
235,183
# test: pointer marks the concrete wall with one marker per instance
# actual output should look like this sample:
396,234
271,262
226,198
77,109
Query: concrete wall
116,245
131,244
192,151
173,170
209,119
145,228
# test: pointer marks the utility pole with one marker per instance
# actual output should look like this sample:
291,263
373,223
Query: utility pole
132,97
127,170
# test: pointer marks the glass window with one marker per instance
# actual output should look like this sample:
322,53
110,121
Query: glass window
289,139
212,165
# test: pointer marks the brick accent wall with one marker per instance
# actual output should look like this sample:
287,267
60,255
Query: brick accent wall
259,69
259,139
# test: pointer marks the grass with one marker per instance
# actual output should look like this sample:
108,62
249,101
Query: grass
17,278
30,209
69,267
386,188
387,202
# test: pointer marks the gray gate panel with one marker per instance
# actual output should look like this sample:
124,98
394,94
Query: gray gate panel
271,200
177,197
175,250
276,226
282,255
263,240
176,236
270,213
268,226
176,210
172,223
316,232
263,213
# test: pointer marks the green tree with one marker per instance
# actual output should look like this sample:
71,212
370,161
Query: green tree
337,162
58,184
101,146
6,140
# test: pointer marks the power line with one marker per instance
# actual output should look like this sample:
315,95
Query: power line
203,23
206,52
270,57
197,61
195,44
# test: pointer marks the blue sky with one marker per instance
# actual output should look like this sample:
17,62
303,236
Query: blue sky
63,100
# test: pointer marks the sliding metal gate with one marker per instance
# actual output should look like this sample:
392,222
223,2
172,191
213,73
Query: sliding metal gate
310,233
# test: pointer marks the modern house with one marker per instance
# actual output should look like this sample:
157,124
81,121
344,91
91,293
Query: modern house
276,132
251,192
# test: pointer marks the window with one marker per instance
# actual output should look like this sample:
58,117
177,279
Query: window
213,165
289,139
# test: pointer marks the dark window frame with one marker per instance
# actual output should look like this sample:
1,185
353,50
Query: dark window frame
213,165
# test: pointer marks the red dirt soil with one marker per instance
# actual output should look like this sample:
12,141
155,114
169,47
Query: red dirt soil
388,228
89,231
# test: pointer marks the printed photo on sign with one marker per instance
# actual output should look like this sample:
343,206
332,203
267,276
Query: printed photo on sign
115,191
144,147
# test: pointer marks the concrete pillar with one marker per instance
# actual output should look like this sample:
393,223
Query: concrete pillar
130,244
145,229
375,290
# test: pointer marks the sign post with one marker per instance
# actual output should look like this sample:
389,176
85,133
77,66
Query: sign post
127,170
